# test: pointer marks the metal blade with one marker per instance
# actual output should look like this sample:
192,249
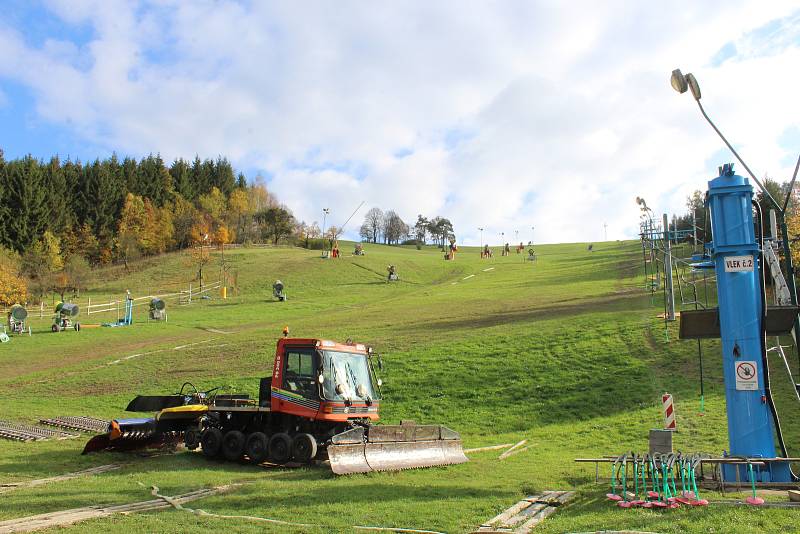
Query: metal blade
348,459
407,455
394,447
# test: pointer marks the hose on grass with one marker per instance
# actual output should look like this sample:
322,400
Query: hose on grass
178,506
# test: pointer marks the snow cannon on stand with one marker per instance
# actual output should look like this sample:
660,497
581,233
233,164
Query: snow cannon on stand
64,316
277,291
158,310
18,320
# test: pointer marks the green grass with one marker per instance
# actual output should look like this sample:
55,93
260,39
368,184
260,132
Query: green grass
566,353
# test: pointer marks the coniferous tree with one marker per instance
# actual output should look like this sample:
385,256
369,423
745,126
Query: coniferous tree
241,181
101,196
4,208
26,195
130,174
57,197
182,179
223,177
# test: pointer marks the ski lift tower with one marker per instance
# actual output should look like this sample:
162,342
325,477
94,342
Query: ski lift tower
741,321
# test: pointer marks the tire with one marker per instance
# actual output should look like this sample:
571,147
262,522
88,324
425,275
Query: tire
280,448
304,448
257,447
77,327
54,328
211,442
233,445
191,439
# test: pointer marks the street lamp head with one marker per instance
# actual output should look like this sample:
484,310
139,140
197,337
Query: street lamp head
678,81
681,83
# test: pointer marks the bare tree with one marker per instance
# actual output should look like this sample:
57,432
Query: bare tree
374,220
394,229
365,232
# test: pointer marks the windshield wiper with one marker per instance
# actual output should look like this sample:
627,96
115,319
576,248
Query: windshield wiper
366,396
344,396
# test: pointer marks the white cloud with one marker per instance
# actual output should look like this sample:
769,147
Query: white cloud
508,115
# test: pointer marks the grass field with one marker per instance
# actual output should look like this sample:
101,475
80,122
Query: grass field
566,353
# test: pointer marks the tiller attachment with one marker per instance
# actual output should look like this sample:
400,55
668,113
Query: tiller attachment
393,447
131,434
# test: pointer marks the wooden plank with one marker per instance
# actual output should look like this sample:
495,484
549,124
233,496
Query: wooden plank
554,501
525,515
509,451
535,520
489,448
504,516
67,476
75,515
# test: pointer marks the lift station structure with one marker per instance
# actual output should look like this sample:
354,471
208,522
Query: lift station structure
743,320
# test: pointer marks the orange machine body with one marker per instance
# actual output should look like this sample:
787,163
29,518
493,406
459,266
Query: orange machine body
293,395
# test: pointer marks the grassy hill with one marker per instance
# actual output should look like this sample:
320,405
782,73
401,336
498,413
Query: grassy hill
566,352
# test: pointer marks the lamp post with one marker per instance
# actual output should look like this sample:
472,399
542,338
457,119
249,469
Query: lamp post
325,212
681,83
532,229
751,411
481,231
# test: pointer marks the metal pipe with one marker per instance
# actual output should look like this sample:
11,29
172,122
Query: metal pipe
668,286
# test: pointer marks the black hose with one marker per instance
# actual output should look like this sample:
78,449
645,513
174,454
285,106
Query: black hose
765,362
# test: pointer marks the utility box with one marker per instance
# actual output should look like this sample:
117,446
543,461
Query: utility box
661,441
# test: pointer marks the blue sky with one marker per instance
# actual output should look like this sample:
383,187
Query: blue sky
504,115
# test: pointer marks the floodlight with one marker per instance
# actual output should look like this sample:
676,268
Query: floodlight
678,81
693,85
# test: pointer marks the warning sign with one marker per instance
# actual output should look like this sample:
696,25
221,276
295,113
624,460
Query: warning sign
746,376
739,264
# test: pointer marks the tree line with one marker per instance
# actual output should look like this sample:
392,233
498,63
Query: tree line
389,228
60,218
696,213
697,219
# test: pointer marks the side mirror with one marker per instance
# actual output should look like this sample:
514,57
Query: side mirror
380,382
320,378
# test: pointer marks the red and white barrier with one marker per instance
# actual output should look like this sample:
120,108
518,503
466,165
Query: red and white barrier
669,411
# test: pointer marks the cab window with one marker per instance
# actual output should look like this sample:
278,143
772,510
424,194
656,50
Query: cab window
299,376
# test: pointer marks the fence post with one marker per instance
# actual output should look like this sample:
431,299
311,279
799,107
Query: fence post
190,293
89,306
117,302
41,310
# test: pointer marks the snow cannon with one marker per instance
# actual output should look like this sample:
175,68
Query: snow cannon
277,290
17,320
65,312
158,309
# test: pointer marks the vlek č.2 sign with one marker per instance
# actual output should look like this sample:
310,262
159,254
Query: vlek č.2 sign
739,264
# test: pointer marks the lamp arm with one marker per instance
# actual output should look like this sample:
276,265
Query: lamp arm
753,176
